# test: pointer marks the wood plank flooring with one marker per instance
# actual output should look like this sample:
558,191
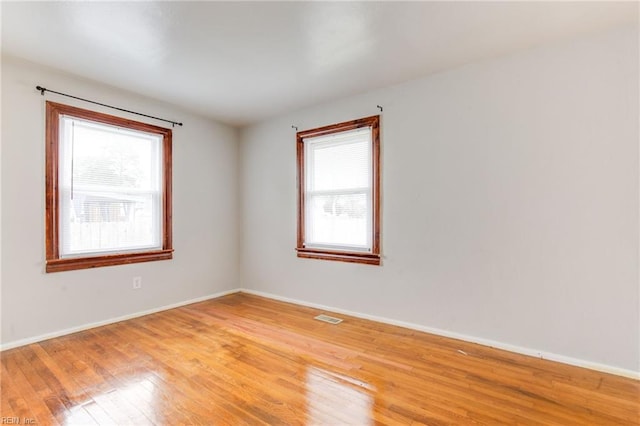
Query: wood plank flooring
242,359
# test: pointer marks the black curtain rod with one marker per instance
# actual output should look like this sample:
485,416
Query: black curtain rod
44,89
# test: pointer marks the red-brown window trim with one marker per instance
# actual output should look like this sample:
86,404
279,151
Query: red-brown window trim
372,258
53,261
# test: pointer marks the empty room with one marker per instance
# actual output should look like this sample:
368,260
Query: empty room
320,213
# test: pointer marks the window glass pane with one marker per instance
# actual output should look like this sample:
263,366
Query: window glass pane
338,220
339,162
110,188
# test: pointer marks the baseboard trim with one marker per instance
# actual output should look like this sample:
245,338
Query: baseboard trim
46,336
472,339
485,342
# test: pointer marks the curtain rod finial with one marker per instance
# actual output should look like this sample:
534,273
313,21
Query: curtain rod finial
41,89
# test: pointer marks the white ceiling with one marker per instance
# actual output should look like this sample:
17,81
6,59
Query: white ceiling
240,62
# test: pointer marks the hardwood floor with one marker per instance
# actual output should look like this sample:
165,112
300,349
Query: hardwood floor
243,359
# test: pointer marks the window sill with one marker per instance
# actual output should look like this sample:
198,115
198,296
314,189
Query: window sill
341,256
69,264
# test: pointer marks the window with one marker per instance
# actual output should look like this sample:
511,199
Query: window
108,190
339,192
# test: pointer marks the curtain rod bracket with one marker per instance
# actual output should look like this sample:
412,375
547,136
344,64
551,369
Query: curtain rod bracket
379,107
41,89
294,127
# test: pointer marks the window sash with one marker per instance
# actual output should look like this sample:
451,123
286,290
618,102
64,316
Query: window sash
311,145
366,248
109,238
66,226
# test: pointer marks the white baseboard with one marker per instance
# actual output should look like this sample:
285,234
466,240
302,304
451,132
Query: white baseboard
485,342
30,340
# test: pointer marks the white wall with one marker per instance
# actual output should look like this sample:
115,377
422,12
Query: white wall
510,203
205,204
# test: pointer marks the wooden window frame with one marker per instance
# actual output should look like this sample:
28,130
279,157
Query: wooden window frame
52,219
370,258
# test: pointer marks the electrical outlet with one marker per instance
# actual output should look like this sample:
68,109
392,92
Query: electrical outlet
137,283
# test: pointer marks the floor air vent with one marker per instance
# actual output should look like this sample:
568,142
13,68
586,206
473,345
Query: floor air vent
327,318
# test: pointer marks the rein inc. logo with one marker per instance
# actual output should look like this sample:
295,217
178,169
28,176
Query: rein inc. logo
17,421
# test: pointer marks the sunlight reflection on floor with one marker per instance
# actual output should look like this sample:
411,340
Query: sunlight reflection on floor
138,396
337,399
